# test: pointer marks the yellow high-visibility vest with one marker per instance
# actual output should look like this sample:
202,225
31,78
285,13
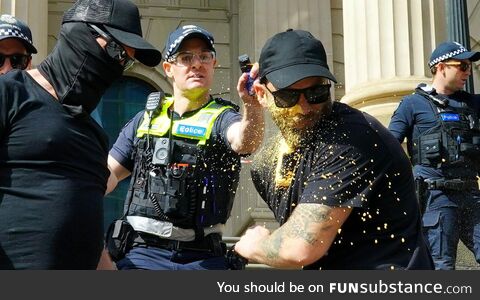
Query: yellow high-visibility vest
196,127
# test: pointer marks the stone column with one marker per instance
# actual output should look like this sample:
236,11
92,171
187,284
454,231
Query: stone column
474,21
387,46
458,28
35,14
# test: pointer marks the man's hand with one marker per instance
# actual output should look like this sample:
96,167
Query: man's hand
106,262
244,94
246,136
302,240
250,241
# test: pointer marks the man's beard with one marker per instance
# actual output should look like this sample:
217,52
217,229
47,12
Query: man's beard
293,135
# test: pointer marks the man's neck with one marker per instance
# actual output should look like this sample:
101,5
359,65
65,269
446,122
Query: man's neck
43,82
185,101
442,88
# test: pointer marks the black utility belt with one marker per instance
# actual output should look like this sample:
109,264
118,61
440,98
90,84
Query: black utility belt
451,184
212,243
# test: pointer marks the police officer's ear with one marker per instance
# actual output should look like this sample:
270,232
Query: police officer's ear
439,68
167,67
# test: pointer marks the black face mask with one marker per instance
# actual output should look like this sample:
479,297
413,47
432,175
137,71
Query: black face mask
78,68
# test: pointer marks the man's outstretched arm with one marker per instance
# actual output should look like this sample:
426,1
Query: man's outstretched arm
246,136
302,240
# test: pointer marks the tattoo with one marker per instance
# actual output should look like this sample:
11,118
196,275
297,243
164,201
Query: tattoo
298,226
301,219
272,248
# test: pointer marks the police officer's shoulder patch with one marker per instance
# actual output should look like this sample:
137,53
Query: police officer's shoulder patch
227,103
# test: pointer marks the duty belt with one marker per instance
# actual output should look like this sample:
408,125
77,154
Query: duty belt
452,184
211,243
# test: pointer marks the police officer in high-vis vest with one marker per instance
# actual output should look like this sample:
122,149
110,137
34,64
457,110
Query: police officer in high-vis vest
441,124
183,153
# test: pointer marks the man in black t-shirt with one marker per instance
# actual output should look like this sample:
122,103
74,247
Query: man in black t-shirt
338,182
53,155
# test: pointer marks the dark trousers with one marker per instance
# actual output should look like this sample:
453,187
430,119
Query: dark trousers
451,216
153,258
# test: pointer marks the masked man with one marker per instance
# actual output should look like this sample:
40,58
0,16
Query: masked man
53,156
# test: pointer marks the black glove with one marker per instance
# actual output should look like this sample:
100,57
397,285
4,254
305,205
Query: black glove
234,260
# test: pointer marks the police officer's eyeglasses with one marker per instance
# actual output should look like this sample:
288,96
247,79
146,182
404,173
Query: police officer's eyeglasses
17,61
286,98
186,58
462,65
114,48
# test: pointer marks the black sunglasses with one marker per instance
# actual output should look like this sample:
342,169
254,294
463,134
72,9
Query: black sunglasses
17,61
316,94
114,49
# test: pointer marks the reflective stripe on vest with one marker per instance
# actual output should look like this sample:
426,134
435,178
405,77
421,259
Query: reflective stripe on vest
197,127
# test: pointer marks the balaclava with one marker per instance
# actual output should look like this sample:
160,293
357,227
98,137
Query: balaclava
79,69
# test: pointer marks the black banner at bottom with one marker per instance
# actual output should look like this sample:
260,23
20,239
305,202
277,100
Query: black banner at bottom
250,284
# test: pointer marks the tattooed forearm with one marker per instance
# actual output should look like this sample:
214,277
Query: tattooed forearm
297,227
271,247
303,239
312,212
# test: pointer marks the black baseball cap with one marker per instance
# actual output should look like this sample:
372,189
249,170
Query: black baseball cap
291,56
449,50
121,19
176,37
11,27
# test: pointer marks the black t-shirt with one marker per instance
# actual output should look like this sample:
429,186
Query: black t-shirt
53,174
351,161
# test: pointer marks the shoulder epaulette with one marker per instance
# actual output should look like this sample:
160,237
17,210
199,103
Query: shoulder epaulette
224,102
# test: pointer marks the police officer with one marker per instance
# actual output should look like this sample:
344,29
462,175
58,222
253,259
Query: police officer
16,45
440,123
183,155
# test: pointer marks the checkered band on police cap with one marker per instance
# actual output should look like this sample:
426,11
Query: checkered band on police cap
176,38
451,50
10,27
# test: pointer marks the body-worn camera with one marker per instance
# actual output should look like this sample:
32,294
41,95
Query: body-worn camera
171,178
161,152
